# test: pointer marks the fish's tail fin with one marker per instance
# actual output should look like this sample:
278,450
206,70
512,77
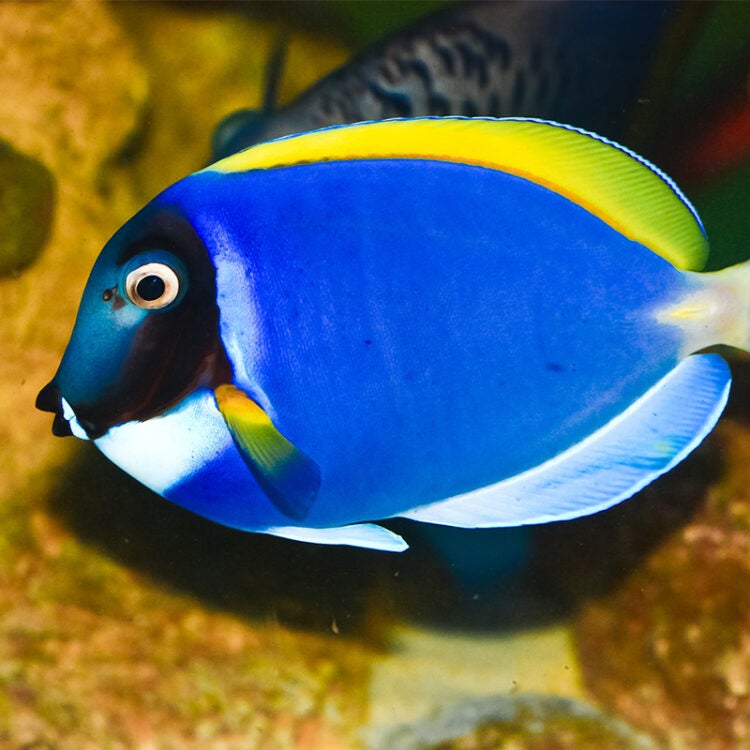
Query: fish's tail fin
716,311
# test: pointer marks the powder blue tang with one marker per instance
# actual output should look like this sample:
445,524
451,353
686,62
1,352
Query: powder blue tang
306,341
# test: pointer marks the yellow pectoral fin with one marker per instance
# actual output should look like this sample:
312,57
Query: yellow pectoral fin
290,478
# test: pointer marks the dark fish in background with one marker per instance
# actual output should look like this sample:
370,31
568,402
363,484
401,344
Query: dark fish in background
702,137
582,63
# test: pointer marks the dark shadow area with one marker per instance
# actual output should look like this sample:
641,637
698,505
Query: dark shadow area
563,564
548,573
590,556
252,575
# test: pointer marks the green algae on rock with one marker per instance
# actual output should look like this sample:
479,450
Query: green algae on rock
27,193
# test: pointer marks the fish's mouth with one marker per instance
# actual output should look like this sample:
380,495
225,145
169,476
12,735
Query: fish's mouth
65,422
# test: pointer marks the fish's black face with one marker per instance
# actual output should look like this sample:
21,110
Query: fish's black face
147,331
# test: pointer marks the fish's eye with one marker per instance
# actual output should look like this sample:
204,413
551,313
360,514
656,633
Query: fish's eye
152,286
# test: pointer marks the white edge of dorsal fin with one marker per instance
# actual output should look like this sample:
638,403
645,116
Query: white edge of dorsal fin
650,437
367,535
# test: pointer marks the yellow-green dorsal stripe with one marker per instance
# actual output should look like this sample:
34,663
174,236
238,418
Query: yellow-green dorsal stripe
611,182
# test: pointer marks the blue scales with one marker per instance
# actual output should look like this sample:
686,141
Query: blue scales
470,322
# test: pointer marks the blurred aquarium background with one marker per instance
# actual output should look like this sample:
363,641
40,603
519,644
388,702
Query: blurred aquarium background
126,622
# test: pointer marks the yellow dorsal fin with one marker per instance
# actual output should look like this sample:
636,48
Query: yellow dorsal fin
611,182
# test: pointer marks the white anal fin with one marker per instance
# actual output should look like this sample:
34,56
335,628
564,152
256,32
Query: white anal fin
367,535
646,440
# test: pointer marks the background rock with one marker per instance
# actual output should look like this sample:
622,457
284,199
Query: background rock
669,649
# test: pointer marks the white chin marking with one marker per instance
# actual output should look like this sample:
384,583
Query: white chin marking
70,416
164,450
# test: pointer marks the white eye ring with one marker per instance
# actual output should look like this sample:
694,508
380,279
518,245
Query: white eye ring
152,286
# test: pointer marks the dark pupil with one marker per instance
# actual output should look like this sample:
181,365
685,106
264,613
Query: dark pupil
150,288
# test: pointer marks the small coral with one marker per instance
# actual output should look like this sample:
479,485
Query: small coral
518,722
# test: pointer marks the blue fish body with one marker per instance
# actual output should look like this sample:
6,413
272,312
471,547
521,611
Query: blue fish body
414,335
408,324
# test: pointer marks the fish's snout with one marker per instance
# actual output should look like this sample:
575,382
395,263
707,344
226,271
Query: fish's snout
50,399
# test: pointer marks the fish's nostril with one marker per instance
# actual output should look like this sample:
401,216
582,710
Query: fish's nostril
50,399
